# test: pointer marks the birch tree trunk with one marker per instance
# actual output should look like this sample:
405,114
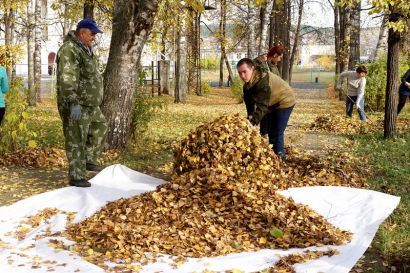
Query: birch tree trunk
381,46
37,50
44,12
8,37
12,39
263,41
66,22
272,27
132,23
392,85
181,85
251,29
30,48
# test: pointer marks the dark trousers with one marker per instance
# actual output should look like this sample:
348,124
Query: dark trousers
264,125
2,112
350,105
402,102
278,121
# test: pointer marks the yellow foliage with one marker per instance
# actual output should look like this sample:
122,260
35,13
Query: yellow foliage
10,52
401,7
17,5
326,62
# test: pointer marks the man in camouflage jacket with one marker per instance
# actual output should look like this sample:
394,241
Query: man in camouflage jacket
79,96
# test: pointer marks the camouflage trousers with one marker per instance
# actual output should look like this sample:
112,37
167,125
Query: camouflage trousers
84,138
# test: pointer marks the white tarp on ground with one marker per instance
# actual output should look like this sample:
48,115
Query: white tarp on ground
357,210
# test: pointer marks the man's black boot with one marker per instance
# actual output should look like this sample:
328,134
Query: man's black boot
83,183
92,167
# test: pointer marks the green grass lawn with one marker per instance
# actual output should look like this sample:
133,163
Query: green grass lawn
389,162
324,77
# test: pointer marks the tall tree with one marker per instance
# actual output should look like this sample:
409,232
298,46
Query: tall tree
285,33
354,46
265,13
381,45
398,12
30,48
344,17
222,39
392,85
12,56
280,28
336,26
132,23
272,26
88,10
37,49
181,85
193,49
251,22
69,12
8,17
300,4
11,11
44,12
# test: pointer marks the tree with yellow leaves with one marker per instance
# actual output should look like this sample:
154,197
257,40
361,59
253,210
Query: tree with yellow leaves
11,51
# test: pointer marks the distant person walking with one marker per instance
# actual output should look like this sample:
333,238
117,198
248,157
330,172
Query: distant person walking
269,62
404,90
266,94
79,96
356,84
4,87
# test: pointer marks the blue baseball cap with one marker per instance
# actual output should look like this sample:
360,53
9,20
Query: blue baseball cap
90,24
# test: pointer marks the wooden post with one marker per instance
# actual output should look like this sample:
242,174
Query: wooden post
152,78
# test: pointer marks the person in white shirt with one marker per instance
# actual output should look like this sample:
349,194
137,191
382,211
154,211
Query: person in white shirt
356,84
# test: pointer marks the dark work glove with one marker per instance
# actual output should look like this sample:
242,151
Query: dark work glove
75,112
251,120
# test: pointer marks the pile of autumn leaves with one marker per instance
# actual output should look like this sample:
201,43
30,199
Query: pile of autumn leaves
343,125
36,157
221,199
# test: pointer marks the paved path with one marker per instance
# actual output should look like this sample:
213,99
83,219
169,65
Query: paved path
310,104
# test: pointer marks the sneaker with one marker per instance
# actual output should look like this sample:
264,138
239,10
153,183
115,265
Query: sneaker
92,167
83,183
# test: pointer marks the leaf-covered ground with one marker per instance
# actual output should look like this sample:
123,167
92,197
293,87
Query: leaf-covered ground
320,149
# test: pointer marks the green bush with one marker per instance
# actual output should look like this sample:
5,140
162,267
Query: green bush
144,109
210,63
14,134
376,81
237,89
205,87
